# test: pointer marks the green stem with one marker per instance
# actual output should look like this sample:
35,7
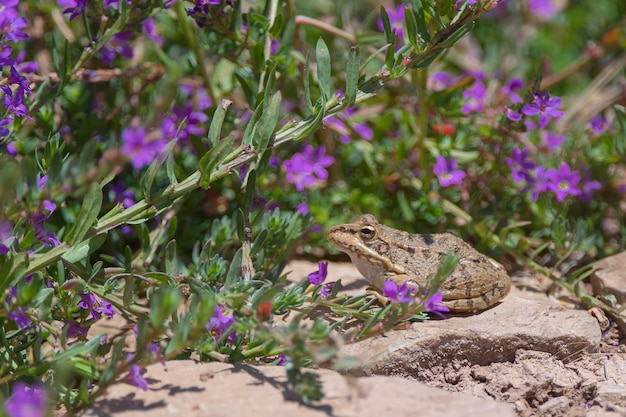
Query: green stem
195,46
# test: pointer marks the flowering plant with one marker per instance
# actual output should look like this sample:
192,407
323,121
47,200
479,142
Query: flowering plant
160,162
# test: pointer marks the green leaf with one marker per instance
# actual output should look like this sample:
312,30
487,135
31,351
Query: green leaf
322,55
372,57
250,188
268,121
411,28
456,36
212,158
163,304
307,84
234,271
81,251
216,124
11,271
420,20
384,17
352,75
87,214
171,262
250,133
243,76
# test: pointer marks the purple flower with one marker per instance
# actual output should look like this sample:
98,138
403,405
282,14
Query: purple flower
114,3
75,331
340,127
14,102
317,277
545,106
73,7
520,166
598,124
433,305
117,45
512,115
327,288
11,25
363,130
96,306
18,315
15,78
135,377
588,187
543,9
440,81
6,237
26,401
304,169
139,147
122,195
553,141
300,172
149,30
446,172
191,118
396,19
475,96
397,294
282,360
303,209
5,56
49,239
563,182
25,66
538,182
319,159
221,321
510,90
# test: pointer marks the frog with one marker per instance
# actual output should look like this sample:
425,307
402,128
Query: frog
382,253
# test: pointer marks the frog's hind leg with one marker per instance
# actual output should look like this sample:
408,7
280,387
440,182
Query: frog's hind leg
472,305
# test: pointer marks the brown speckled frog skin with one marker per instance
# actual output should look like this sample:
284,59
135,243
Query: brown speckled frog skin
381,253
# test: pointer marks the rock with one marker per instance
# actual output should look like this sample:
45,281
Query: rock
609,277
201,389
491,336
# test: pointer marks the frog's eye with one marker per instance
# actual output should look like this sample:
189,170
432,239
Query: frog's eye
368,232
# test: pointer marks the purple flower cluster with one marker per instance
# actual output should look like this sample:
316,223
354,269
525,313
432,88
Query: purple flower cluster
16,86
26,401
562,181
221,321
190,119
306,168
96,306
